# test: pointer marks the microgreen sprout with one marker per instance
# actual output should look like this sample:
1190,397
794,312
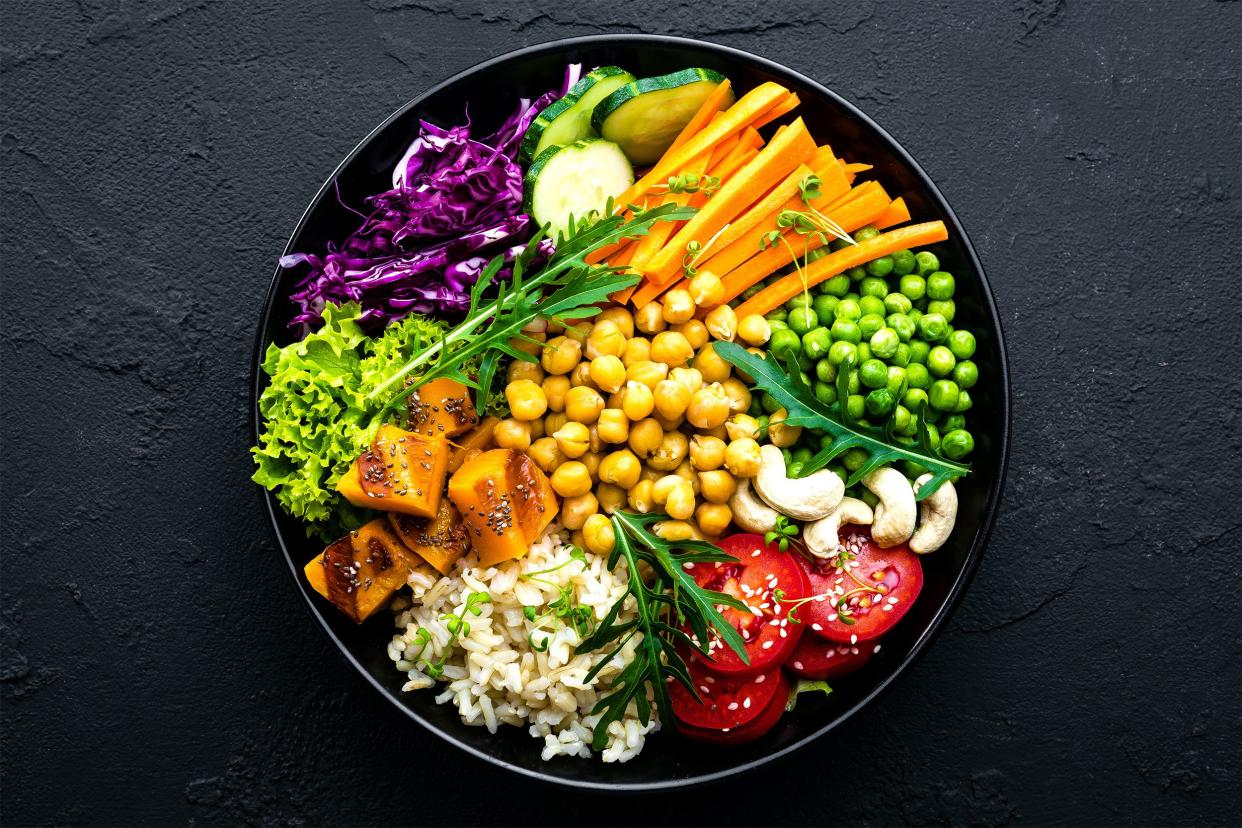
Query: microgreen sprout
782,534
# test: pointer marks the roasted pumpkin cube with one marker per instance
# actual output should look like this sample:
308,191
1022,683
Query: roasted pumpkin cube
360,572
506,502
350,487
439,541
404,472
473,443
441,408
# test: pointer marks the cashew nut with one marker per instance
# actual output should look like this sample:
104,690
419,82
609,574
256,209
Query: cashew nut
806,498
937,514
749,512
895,513
821,538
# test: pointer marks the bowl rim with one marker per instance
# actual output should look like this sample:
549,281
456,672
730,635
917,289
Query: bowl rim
960,583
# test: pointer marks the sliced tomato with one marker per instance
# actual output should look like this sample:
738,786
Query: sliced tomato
865,589
818,658
760,571
729,709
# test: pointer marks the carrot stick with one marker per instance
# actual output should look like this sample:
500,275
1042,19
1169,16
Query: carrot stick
721,151
751,137
731,163
658,235
897,213
775,295
777,111
857,168
708,110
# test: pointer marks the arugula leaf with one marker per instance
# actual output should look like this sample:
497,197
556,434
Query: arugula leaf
803,409
806,686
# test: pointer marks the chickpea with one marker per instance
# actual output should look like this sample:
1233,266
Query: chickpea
669,423
738,394
526,399
646,437
573,439
711,365
636,350
581,375
575,511
613,427
713,518
754,329
591,460
742,425
650,475
536,429
526,346
722,323
672,450
578,539
520,369
706,289
554,328
717,486
709,407
536,325
671,398
620,317
640,497
554,391
620,468
678,306
677,530
608,373
571,479
637,401
648,373
661,488
680,502
578,331
694,331
554,422
780,434
546,454
605,339
597,442
583,404
649,319
610,497
742,457
692,378
706,453
671,348
718,432
512,434
561,355
598,535
687,473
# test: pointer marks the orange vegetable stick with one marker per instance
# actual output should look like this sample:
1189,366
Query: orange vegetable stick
751,137
708,110
720,152
659,234
903,238
897,213
777,111
857,168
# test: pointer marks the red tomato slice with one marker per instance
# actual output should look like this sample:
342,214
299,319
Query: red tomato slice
878,585
733,709
817,658
760,570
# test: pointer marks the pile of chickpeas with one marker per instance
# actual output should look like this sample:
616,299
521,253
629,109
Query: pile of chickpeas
636,410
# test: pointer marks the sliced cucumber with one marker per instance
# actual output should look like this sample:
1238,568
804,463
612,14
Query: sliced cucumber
645,116
575,180
569,118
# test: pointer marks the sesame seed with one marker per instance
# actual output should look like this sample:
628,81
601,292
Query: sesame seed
816,627
733,705
767,645
853,639
877,648
797,665
761,679
746,703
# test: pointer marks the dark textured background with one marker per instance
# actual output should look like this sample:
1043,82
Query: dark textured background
155,665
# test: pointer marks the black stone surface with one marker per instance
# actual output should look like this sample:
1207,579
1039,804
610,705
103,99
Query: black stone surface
155,667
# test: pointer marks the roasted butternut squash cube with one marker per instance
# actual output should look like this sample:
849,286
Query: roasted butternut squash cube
350,487
474,442
441,408
439,541
506,502
360,572
404,472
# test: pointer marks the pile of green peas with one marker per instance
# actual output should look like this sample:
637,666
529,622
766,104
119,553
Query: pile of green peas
889,324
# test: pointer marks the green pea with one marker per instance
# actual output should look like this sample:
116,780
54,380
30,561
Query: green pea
964,402
880,403
824,306
901,357
884,342
864,233
778,325
940,361
770,404
864,352
917,375
933,435
838,285
825,393
843,353
872,304
926,262
778,315
913,287
903,262
854,458
806,364
784,341
802,319
839,244
839,471
880,267
944,307
919,351
847,309
966,374
903,420
816,343
843,330
940,285
868,497
872,286
873,373
869,323
915,315
802,300
962,344
753,290
855,406
912,470
817,253
756,406
856,274
825,371
853,383
933,327
853,297
897,303
794,469
943,395
895,381
954,422
957,444
914,397
903,325
801,454
763,420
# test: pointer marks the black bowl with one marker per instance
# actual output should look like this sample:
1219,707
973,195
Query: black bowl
491,90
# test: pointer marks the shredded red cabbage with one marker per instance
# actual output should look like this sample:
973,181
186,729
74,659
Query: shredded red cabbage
422,245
